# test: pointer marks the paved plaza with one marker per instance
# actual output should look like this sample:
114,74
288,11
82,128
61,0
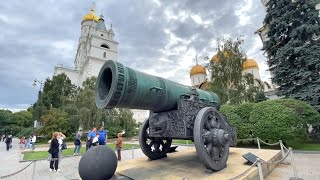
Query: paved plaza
307,165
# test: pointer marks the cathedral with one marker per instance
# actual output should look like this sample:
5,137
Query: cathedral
199,75
96,46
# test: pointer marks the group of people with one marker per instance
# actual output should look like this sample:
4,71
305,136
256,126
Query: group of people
28,143
7,139
94,138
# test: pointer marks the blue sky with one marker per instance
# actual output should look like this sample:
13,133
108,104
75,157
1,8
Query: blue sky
156,37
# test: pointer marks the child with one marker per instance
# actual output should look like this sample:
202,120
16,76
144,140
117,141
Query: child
95,141
22,143
119,146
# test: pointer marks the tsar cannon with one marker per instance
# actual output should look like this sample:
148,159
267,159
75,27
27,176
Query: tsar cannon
176,112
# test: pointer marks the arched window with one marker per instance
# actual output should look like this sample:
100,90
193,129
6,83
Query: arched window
104,55
105,46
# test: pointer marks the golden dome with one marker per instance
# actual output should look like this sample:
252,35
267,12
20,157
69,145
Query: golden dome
91,16
250,63
216,57
197,69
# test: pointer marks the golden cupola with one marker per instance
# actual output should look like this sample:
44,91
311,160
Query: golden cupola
91,16
198,69
250,63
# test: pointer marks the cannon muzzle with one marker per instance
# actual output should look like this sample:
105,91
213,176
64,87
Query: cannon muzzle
122,87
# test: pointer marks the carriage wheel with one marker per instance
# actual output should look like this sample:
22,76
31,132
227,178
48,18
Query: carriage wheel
211,139
153,147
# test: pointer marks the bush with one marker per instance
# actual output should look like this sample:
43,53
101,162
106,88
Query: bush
244,110
243,128
273,121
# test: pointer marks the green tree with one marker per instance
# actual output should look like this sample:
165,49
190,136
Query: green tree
227,79
56,89
293,48
54,120
23,118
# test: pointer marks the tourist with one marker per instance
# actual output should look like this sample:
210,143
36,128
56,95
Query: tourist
91,135
54,151
103,136
22,143
62,145
33,139
8,142
119,146
88,142
95,141
77,143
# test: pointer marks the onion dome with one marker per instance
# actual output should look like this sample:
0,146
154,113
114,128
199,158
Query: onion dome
198,69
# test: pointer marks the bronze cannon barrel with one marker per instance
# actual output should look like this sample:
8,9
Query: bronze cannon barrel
122,87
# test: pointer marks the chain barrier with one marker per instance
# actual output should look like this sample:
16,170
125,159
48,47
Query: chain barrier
9,175
273,144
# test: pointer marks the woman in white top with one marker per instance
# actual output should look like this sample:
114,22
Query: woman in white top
60,138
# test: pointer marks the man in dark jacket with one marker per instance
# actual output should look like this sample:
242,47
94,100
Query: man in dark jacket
8,142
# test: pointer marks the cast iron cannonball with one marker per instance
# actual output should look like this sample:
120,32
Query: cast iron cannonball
98,163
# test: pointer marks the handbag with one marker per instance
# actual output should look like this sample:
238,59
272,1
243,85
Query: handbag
49,156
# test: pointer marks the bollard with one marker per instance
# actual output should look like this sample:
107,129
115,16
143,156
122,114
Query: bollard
258,143
259,162
187,143
282,150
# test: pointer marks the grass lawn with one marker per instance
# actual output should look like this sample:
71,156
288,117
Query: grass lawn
44,154
181,141
306,146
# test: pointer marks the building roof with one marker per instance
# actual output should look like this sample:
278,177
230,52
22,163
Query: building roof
101,26
91,16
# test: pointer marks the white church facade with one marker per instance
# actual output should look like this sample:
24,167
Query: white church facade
96,45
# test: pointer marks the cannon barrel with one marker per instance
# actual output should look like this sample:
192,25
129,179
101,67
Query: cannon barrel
122,87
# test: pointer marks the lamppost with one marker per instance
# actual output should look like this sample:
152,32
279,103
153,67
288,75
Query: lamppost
35,83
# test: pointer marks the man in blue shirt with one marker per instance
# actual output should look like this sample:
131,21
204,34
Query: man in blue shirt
103,136
91,135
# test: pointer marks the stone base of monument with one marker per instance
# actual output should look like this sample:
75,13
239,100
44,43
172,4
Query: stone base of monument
185,164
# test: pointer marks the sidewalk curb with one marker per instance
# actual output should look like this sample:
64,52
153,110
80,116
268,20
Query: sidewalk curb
306,152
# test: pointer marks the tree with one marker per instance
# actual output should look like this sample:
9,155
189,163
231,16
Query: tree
293,48
54,120
56,89
227,79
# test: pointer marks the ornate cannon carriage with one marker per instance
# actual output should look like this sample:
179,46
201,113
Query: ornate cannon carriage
176,112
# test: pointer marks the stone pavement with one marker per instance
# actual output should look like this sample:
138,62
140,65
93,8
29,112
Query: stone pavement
308,166
9,163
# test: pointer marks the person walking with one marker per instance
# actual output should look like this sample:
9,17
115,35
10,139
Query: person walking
119,146
8,142
22,143
77,143
103,136
54,151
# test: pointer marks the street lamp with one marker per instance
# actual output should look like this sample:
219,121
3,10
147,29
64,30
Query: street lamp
35,82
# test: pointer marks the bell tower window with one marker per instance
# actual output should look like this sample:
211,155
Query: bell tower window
105,46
